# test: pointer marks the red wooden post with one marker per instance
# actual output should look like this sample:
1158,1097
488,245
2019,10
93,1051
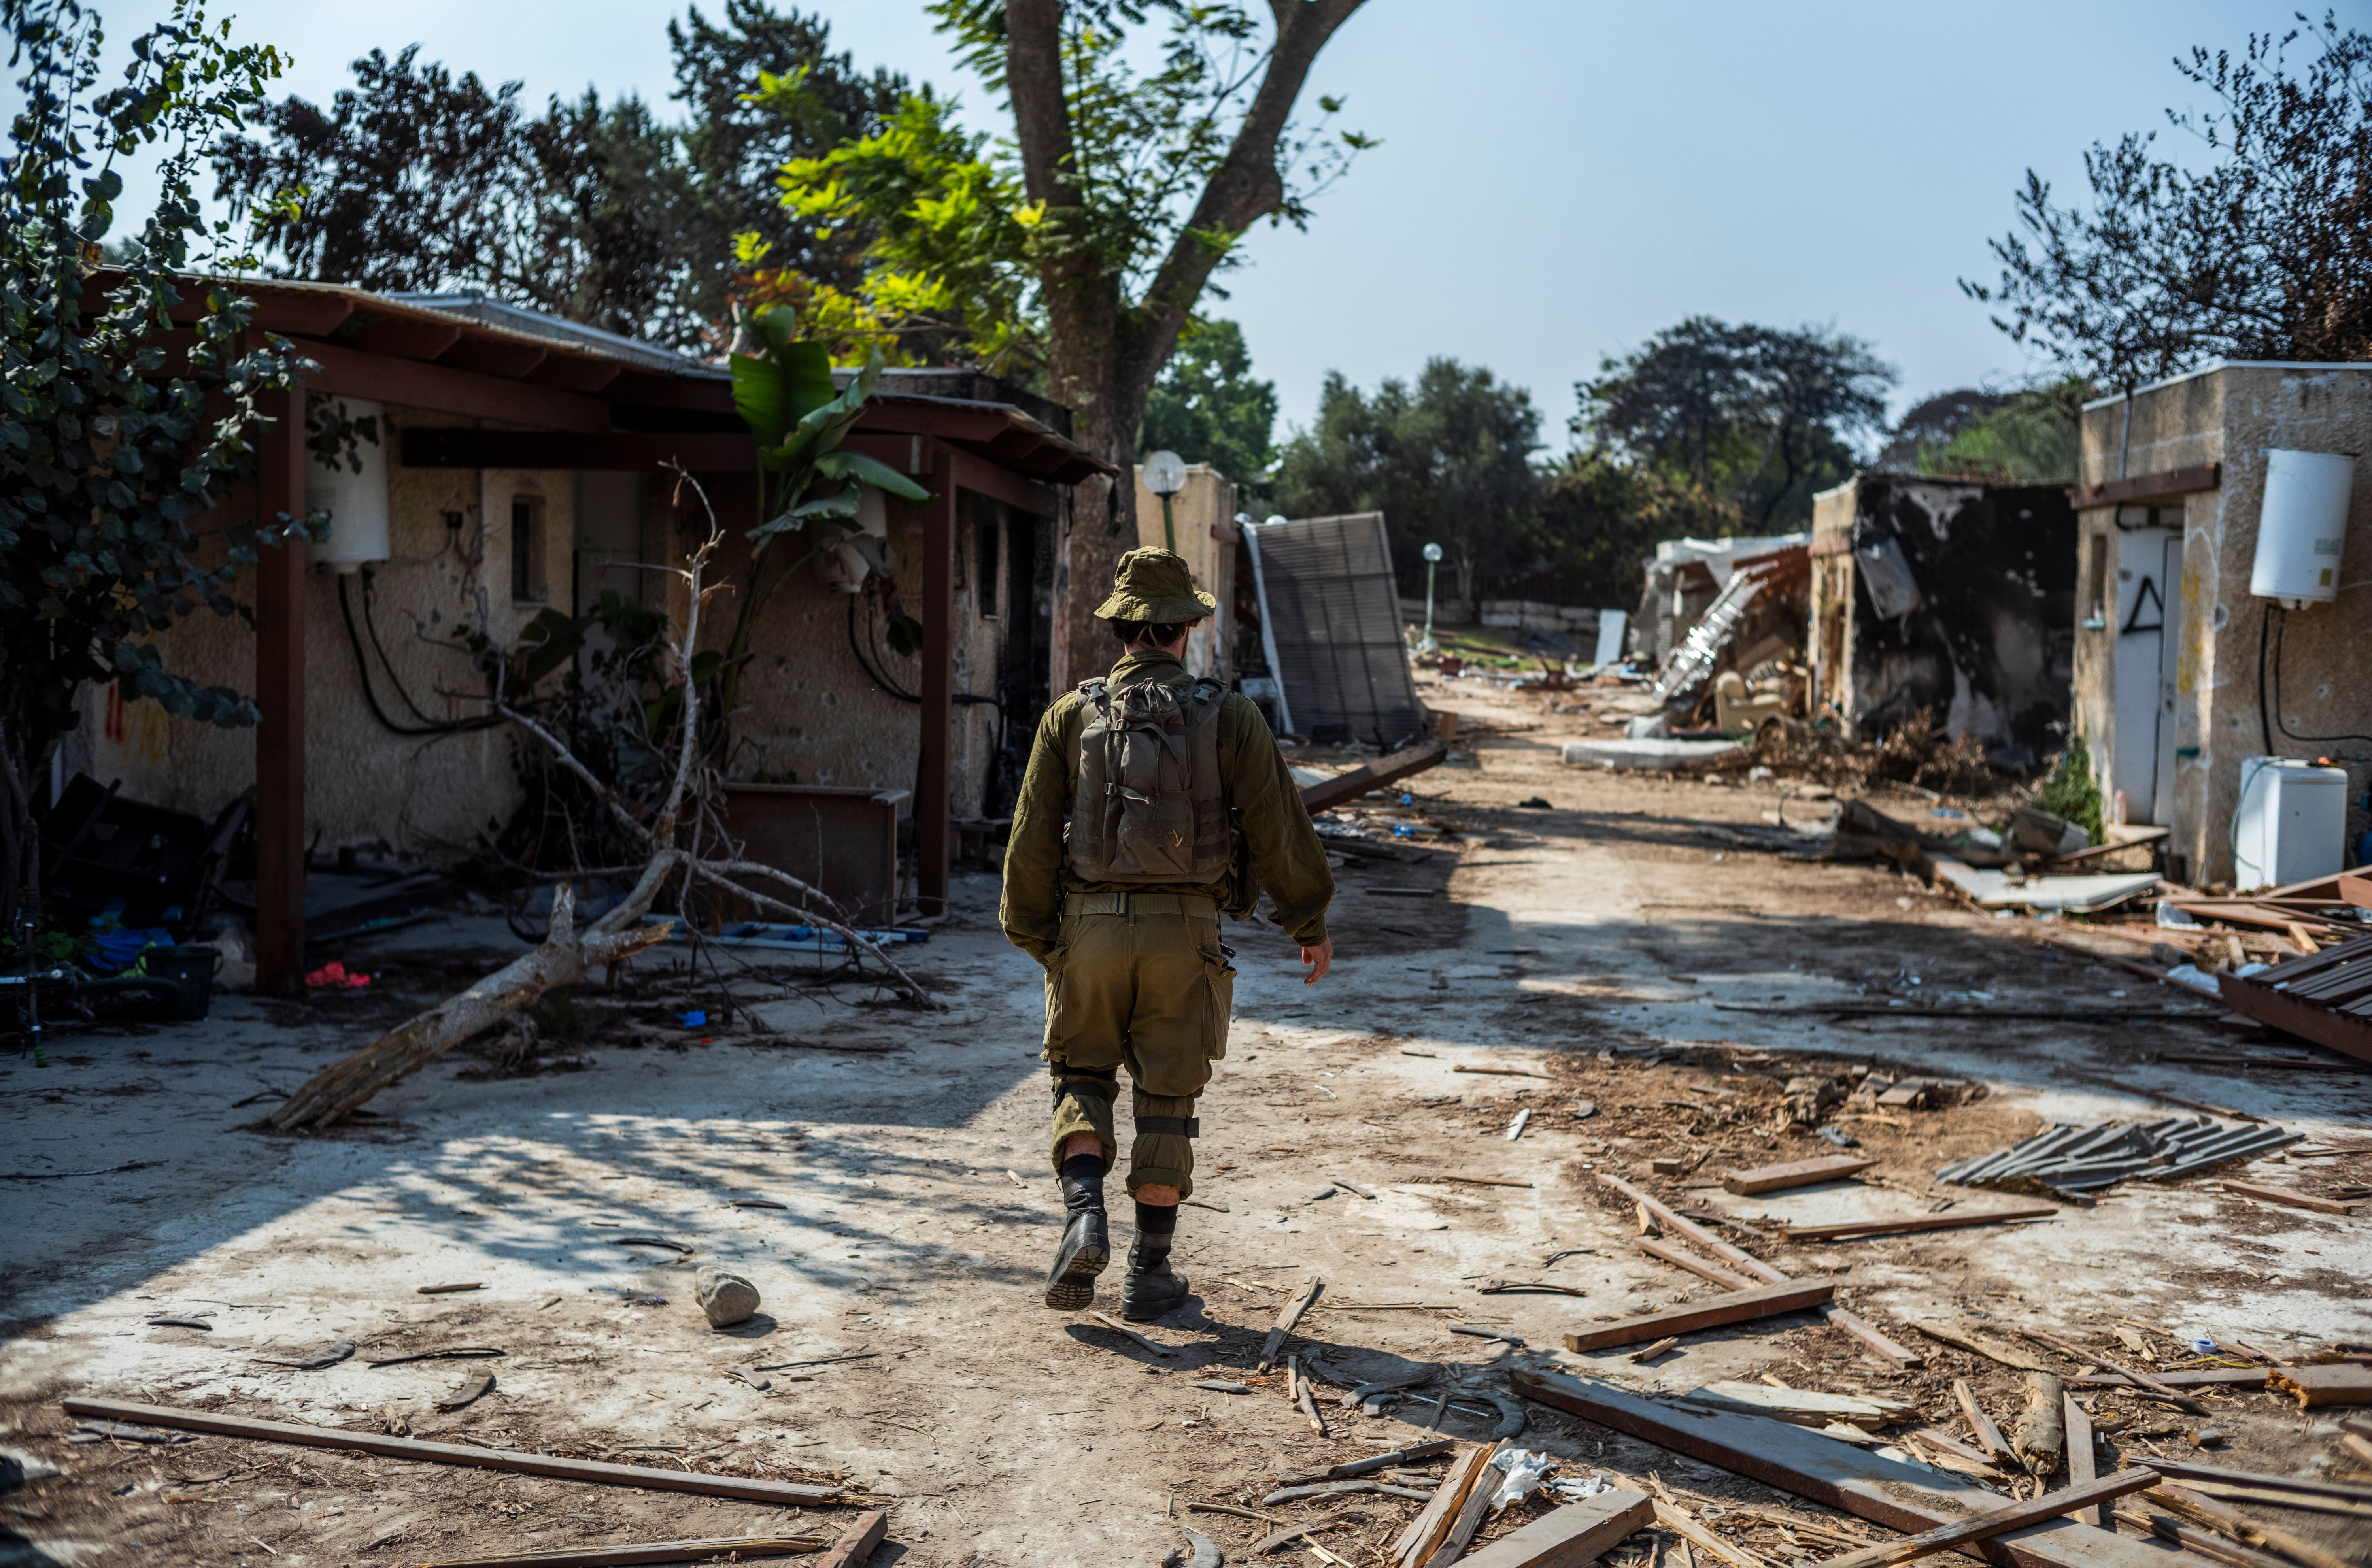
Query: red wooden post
934,796
280,693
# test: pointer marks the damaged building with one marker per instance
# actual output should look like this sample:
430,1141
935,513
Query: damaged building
523,463
2226,616
1950,596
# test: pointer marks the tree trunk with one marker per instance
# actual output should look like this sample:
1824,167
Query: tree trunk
2039,1433
326,1098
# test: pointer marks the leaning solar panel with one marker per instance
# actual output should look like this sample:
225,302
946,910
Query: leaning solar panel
1333,612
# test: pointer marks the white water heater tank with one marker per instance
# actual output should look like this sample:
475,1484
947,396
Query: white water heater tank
2302,527
2291,823
356,501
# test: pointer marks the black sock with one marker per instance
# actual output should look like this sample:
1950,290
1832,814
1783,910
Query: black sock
1156,1228
1082,1184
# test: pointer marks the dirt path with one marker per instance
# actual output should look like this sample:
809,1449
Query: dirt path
1602,944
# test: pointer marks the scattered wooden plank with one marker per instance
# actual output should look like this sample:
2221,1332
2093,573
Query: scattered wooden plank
1687,1259
1969,1340
1455,1540
1737,1306
743,1487
1857,1229
1348,786
2214,1548
2295,1199
1502,1072
1479,1181
652,1551
1887,1492
1285,1319
2185,1470
436,1290
1649,1353
1416,1543
1800,1406
2210,1377
856,1542
1415,1453
1989,1437
1569,1536
1652,1211
2270,1498
2083,1457
1956,1453
2337,1384
2068,1501
1796,1173
2234,1525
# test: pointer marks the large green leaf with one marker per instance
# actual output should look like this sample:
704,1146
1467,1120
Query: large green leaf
873,471
773,391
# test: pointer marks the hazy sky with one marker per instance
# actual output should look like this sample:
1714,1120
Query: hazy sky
1558,179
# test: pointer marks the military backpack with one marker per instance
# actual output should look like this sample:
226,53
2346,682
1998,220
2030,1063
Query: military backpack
1148,804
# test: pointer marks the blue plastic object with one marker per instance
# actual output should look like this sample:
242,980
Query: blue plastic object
695,1019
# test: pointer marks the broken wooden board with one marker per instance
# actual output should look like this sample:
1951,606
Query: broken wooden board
1569,1536
1800,1406
1983,1344
1796,1173
2288,1195
1351,785
1947,1220
1899,1495
1423,1533
2221,1377
1682,1258
2083,1457
1289,1318
856,1543
519,1461
754,1547
2292,997
1737,1306
2069,1501
2185,1470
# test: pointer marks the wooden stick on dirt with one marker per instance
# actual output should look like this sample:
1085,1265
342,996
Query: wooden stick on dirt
2235,1526
856,1542
1118,1326
2083,1456
2214,1548
1999,1521
1285,1319
653,1551
1737,1306
1857,1229
1681,1523
1989,1437
742,1487
2143,1379
1982,1344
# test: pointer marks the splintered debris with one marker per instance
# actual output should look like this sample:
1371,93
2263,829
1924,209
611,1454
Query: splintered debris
647,1241
1118,1326
1737,1306
749,1377
1483,1182
728,1548
472,1389
747,1488
1514,1287
448,1290
1501,1072
758,1203
93,1429
2336,1385
819,1361
1857,1229
1496,1336
1286,1319
1217,1386
459,1353
1797,1173
2288,1196
1649,1353
180,1323
1015,1177
2071,1158
2008,1516
1516,1128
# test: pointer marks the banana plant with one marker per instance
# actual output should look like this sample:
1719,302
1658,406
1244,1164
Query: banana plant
806,483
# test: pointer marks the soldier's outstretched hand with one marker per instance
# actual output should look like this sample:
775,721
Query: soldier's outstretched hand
1322,957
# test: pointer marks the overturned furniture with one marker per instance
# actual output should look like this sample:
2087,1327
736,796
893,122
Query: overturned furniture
1953,598
1331,629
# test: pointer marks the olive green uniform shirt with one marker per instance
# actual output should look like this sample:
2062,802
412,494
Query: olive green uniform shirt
1285,853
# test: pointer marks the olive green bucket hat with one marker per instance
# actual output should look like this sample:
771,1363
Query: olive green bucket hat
1154,585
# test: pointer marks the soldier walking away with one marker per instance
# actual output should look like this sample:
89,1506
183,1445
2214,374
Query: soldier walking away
1153,801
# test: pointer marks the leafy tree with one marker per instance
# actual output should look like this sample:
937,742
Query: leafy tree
1601,518
420,180
1448,461
1208,409
1082,247
2264,253
133,398
1764,415
2033,437
1932,425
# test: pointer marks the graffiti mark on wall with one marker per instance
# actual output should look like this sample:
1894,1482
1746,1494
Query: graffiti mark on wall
138,726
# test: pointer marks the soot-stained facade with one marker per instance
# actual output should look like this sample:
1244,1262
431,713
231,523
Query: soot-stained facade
1950,596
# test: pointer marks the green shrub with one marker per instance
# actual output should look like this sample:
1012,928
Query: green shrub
2073,793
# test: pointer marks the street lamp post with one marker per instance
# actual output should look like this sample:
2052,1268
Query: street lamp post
1432,562
1165,475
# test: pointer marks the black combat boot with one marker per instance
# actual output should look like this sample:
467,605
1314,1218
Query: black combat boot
1152,1287
1086,1239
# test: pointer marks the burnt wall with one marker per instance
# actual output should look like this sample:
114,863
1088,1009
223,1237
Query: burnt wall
1988,644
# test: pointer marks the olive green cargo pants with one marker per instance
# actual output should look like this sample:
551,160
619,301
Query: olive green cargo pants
1139,980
